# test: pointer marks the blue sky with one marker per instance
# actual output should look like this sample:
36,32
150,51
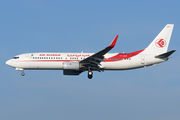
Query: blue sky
150,93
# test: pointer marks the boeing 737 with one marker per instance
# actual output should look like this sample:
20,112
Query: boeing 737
76,63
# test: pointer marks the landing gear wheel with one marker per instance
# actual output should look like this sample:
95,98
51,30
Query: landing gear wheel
90,74
22,73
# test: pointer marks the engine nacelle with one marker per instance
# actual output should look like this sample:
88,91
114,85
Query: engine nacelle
71,72
71,65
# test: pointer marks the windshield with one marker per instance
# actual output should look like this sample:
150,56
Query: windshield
15,57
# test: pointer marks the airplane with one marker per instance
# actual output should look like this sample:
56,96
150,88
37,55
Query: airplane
76,63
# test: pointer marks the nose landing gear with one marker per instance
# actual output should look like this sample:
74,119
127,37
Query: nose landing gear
23,73
21,69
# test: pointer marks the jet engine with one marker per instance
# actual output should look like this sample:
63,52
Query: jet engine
71,72
71,65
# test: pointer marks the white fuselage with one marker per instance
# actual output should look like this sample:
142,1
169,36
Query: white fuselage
54,61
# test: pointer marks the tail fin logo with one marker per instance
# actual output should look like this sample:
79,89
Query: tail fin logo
160,43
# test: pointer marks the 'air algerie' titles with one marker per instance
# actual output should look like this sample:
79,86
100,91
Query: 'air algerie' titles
68,55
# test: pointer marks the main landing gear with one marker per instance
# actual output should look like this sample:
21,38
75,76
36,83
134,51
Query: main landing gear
90,74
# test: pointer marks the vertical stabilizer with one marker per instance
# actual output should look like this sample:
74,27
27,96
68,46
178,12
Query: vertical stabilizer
160,44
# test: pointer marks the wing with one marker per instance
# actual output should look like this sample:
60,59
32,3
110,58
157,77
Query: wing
94,60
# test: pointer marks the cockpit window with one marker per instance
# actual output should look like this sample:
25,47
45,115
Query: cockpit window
15,57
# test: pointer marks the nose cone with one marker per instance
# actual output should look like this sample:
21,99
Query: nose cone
9,62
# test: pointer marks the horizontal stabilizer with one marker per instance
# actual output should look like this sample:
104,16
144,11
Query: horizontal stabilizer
165,55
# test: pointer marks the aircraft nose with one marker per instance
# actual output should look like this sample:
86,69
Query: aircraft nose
9,62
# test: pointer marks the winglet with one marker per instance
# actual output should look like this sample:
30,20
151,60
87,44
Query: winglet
114,42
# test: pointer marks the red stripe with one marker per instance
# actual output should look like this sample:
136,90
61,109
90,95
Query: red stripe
123,56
